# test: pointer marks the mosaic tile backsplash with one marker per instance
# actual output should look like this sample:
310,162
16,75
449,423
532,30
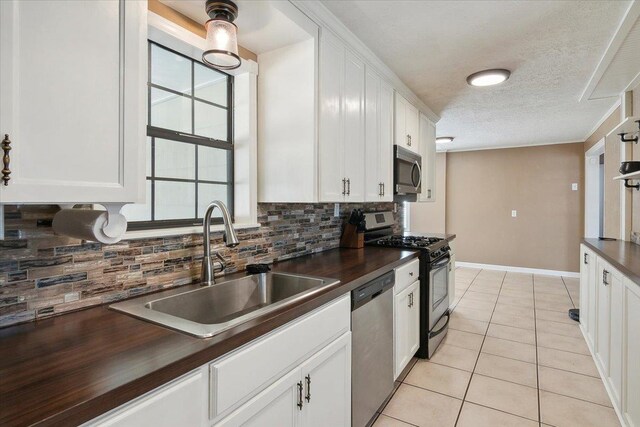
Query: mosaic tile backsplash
43,274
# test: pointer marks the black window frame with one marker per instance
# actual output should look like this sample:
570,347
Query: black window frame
154,132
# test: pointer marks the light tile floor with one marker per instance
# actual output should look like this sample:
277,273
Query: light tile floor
512,357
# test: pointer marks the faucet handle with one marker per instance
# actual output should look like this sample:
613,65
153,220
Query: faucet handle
218,267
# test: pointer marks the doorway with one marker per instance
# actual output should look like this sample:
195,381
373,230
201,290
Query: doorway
594,191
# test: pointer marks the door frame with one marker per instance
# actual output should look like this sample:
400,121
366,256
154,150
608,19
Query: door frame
592,189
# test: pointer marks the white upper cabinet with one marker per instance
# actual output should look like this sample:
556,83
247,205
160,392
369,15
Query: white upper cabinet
73,90
378,139
341,146
406,124
428,153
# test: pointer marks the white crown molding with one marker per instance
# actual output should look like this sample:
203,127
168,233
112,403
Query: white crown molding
518,269
603,119
627,23
541,144
322,16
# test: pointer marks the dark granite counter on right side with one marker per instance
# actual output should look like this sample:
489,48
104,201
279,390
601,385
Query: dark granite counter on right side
622,255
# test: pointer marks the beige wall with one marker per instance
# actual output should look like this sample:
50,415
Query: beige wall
429,217
483,187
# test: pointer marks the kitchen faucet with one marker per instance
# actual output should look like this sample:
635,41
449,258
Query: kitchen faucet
230,240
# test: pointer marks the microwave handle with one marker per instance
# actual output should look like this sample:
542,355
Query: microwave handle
416,165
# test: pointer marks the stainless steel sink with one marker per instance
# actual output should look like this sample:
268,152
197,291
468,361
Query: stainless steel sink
209,310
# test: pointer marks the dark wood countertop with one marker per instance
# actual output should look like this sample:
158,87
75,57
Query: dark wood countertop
622,255
69,369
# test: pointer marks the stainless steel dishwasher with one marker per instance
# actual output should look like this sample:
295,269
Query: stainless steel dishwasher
372,344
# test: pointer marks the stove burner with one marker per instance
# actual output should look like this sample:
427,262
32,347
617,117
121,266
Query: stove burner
398,240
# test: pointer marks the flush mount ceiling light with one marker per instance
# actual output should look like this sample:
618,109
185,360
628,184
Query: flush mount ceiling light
488,77
222,35
444,139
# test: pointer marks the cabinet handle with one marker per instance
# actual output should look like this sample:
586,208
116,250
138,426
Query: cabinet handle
344,186
383,188
379,189
429,194
605,276
6,160
409,140
411,300
300,395
586,258
348,186
308,380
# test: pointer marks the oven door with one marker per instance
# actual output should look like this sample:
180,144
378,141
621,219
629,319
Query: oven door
407,171
438,289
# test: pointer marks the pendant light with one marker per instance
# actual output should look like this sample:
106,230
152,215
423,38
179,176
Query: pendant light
222,35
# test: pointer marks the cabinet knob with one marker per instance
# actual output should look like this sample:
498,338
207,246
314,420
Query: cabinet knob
6,159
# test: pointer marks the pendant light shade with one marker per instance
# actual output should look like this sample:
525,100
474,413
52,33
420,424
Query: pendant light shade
222,35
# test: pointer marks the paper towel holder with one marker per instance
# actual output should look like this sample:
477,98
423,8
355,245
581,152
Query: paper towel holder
113,228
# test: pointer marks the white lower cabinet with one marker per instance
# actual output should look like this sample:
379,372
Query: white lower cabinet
182,402
631,355
298,375
406,337
610,321
317,393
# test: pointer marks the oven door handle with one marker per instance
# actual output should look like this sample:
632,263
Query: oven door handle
415,166
444,327
441,263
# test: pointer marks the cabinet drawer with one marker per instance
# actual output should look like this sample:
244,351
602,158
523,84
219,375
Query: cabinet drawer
407,274
246,372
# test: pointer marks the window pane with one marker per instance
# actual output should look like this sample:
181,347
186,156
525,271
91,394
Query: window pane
211,121
207,193
210,85
175,159
175,200
170,70
212,164
139,211
170,111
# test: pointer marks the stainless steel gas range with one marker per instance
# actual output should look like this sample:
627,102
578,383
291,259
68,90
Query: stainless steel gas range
435,269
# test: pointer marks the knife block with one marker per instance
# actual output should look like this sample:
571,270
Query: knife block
351,238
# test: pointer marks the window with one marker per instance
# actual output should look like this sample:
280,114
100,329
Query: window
189,144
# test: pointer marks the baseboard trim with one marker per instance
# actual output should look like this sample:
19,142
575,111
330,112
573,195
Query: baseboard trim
518,269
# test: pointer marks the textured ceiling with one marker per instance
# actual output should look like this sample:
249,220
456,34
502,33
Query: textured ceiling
552,48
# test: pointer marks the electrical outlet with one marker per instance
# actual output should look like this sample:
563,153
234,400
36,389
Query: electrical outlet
574,186
514,214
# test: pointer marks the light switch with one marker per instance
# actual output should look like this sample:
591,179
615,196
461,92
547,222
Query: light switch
514,214
574,186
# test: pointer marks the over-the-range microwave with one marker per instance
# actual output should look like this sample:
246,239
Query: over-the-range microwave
407,174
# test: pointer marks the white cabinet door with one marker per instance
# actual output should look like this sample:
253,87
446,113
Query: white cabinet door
588,272
412,127
385,149
331,153
182,402
428,153
378,139
278,405
616,291
603,315
406,326
400,121
327,386
354,148
373,183
631,348
452,281
73,90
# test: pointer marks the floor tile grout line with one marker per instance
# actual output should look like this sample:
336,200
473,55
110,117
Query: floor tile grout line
535,337
464,397
567,289
397,419
577,398
503,411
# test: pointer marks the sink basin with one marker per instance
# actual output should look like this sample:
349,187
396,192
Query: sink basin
207,311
